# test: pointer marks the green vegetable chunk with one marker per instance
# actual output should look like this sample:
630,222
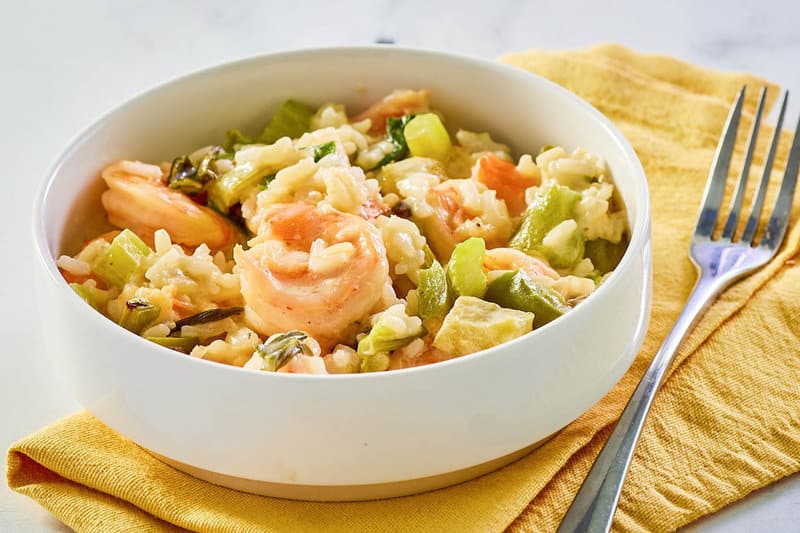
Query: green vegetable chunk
278,349
384,337
180,344
291,120
233,186
563,246
190,179
234,138
125,254
138,313
605,255
426,136
394,134
546,212
321,150
84,293
473,325
514,290
434,296
465,268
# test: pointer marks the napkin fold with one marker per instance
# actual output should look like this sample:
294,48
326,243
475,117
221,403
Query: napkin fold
724,424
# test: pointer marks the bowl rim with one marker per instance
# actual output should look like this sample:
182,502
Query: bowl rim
639,228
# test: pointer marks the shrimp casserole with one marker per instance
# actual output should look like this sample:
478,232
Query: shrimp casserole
333,243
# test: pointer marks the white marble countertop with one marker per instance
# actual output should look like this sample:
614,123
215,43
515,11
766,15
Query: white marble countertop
65,63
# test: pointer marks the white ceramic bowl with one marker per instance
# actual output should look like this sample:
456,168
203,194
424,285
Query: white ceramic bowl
346,436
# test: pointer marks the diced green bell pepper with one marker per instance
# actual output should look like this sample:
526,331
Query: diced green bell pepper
605,255
181,344
546,211
514,290
434,295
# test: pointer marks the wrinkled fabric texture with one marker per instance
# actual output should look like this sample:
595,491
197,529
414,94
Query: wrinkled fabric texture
725,423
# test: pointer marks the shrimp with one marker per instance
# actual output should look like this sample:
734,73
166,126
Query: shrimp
502,177
398,103
464,208
138,199
513,259
313,269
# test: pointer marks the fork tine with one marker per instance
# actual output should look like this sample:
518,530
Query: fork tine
778,222
741,184
715,186
758,199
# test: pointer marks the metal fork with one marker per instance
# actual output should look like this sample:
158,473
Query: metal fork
720,262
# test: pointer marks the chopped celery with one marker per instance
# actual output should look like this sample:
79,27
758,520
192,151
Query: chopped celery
546,211
234,138
232,186
124,255
465,268
426,136
278,349
321,150
84,293
190,179
394,134
181,344
377,362
210,315
291,120
605,255
514,290
137,314
473,325
384,337
434,296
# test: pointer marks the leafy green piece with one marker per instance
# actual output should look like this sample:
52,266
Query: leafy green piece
123,257
465,268
434,295
278,349
605,255
544,213
321,150
180,344
209,315
291,120
373,348
138,313
473,325
426,136
234,138
394,134
190,179
514,290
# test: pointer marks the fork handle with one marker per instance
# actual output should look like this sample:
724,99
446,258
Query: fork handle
593,508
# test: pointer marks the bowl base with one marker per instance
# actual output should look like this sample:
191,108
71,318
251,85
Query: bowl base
345,493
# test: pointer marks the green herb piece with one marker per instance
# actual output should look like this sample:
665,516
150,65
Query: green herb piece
394,134
281,347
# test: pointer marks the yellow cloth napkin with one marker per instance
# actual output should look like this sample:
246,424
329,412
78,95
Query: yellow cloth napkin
725,423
